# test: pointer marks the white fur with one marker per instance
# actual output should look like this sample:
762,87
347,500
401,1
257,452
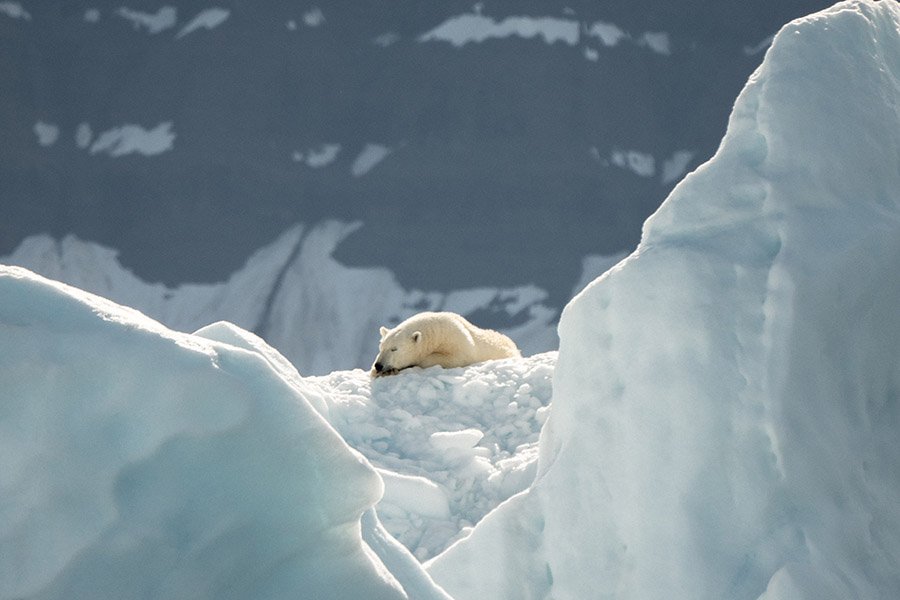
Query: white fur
438,338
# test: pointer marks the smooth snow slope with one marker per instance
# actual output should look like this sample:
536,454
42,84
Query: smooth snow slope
137,462
726,404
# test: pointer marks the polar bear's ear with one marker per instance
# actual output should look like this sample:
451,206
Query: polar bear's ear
383,331
416,336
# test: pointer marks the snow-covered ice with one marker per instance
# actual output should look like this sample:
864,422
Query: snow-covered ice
137,462
470,436
724,419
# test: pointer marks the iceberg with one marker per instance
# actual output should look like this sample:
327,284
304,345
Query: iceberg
137,462
726,402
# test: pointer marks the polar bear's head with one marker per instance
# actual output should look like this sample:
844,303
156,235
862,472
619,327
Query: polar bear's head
399,349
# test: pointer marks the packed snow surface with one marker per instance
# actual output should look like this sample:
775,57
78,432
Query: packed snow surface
726,403
451,444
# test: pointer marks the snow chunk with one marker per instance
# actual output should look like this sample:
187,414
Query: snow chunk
164,19
46,133
131,139
448,441
413,494
207,19
91,15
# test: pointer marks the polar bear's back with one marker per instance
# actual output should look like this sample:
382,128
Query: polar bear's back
487,344
492,344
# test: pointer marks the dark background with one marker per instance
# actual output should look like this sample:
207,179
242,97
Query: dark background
492,179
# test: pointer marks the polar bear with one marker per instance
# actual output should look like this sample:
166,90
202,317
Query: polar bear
438,338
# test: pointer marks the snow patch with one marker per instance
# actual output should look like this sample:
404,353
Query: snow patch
610,35
14,10
476,28
314,17
657,41
316,158
762,46
676,165
83,135
387,39
639,163
207,19
154,23
370,156
46,133
134,139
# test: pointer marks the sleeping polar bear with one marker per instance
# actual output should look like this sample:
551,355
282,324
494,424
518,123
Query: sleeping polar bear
438,338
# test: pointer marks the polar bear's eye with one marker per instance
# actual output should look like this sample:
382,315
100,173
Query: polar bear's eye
393,350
